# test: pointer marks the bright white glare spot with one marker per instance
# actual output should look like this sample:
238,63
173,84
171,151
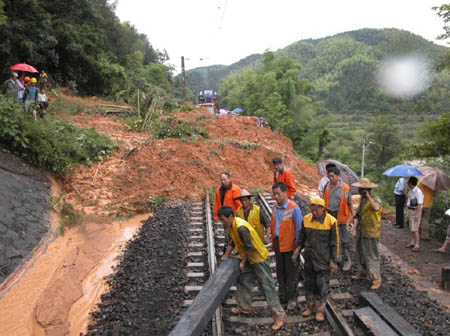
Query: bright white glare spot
404,76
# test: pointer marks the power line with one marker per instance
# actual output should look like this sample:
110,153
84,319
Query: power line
223,14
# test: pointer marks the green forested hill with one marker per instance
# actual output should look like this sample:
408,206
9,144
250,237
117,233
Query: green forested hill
323,95
341,68
81,44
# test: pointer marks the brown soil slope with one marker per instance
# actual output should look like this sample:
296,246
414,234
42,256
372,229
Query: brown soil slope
143,167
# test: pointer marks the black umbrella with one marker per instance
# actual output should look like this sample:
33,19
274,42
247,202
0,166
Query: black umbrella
348,176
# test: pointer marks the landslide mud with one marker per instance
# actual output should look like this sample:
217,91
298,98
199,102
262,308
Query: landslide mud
181,168
64,280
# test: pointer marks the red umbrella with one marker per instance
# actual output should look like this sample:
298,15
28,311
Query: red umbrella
434,178
23,67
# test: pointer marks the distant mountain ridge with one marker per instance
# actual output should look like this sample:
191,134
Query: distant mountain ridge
340,67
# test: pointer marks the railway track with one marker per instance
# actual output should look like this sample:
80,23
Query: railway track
207,239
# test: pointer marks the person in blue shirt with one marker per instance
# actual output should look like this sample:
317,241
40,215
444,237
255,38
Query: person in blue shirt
285,226
400,199
30,97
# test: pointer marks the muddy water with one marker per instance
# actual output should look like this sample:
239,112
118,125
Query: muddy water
53,293
93,284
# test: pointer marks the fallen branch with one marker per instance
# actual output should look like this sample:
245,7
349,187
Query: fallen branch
118,106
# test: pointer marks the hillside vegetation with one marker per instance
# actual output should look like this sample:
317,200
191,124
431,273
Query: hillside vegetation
82,45
341,69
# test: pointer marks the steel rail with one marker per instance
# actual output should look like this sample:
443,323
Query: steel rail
217,322
334,317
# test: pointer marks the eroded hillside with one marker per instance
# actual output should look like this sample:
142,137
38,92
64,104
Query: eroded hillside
174,168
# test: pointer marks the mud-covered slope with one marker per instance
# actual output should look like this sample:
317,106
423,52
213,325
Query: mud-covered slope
182,168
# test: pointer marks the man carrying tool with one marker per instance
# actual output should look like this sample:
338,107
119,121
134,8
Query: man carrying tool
338,202
254,265
252,214
281,174
319,237
226,194
367,226
285,227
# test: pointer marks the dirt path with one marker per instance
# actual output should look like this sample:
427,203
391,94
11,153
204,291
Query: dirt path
426,262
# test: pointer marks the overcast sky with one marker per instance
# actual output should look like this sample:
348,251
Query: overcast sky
208,32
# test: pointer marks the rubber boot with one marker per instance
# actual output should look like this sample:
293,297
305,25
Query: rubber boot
320,312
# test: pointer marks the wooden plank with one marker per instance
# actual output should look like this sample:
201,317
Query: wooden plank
341,296
372,323
200,312
266,320
388,314
260,302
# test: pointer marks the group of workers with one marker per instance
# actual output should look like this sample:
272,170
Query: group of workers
30,92
321,236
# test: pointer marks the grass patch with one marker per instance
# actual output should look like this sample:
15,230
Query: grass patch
154,202
211,194
172,127
244,145
49,143
256,191
68,216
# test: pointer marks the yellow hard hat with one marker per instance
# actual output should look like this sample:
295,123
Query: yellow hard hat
33,80
317,201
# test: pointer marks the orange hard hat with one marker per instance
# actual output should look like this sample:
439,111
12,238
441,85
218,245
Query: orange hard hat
26,79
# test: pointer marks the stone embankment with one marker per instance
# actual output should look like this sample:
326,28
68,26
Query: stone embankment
24,205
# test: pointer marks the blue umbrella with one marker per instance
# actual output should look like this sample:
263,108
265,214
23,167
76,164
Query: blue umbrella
402,171
238,110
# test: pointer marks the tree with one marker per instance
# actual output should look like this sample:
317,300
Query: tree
387,144
81,44
444,12
274,90
2,16
436,138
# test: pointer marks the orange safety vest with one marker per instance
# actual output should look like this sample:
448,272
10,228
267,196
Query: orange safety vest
286,178
344,210
286,237
230,194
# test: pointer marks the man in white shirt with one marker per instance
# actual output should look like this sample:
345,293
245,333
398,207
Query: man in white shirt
414,204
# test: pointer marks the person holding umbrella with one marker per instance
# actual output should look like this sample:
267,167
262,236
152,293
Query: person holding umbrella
433,179
414,204
338,201
428,195
400,199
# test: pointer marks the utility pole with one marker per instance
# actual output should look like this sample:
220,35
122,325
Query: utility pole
363,153
183,76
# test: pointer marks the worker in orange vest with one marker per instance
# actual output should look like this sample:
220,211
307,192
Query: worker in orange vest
338,201
281,174
285,226
227,194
